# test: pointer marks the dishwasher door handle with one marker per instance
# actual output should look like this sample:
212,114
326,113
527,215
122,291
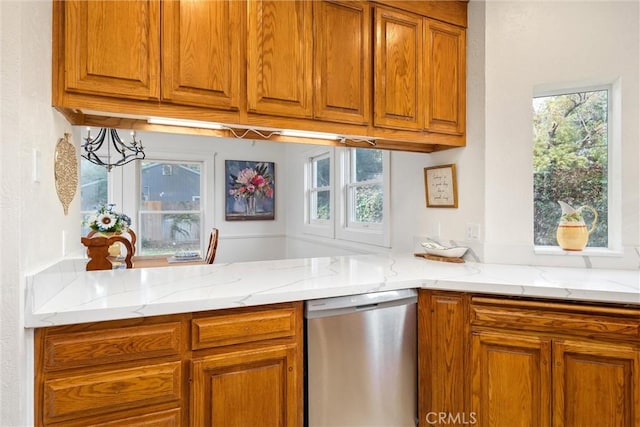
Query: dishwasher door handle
366,307
357,303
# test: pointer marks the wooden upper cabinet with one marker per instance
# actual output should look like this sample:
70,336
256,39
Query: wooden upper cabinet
445,77
201,55
112,48
279,58
398,66
342,61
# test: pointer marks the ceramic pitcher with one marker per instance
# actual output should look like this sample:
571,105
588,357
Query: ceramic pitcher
572,233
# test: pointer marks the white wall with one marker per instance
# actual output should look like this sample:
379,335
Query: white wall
532,44
514,46
31,217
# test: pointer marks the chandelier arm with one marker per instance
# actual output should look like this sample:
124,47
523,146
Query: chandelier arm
129,152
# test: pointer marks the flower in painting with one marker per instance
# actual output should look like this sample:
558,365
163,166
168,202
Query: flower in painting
249,182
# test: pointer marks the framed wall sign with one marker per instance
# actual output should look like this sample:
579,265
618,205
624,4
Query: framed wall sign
441,189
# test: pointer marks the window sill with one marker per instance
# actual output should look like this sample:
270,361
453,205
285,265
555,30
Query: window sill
594,252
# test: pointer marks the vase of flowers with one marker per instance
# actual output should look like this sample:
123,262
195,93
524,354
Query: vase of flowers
107,222
251,185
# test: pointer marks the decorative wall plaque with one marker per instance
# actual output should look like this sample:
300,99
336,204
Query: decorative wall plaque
441,186
65,171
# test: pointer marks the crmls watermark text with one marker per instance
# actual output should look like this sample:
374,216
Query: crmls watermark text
454,418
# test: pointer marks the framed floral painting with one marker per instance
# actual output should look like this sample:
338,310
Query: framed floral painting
250,190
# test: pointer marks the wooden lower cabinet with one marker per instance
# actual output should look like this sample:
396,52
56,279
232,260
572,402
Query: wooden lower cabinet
443,329
511,378
235,367
499,362
594,381
246,388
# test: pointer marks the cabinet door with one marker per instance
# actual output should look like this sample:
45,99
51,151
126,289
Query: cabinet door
595,383
445,78
442,353
112,48
342,56
260,387
398,70
511,378
279,54
201,53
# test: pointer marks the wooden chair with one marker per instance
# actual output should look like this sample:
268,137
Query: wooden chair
213,247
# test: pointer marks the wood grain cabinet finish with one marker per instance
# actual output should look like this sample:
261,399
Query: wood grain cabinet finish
595,382
251,373
511,379
112,48
549,363
445,77
492,361
201,53
247,388
390,70
239,366
398,62
122,372
279,57
342,61
443,330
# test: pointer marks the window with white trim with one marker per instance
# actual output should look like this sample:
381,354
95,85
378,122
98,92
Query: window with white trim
166,197
576,160
349,201
364,188
319,193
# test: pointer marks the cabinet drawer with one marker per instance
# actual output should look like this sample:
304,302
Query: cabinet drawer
222,330
108,391
168,418
90,348
557,318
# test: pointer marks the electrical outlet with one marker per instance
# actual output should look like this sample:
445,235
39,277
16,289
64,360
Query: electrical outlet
473,231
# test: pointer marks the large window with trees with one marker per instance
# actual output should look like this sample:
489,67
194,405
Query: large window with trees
571,158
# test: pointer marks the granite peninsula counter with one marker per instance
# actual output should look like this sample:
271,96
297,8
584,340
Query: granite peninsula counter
67,294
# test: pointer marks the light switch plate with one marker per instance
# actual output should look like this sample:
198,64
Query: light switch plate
37,165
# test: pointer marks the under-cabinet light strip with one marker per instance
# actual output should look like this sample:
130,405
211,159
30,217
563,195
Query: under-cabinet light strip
186,123
307,134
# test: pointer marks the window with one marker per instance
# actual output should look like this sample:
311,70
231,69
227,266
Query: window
571,159
319,193
170,212
364,188
93,189
349,202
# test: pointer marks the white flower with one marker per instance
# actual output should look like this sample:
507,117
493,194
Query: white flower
106,221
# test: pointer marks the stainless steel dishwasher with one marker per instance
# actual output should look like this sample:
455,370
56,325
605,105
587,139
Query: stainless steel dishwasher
362,360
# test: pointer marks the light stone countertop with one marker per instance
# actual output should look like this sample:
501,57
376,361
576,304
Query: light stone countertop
66,294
